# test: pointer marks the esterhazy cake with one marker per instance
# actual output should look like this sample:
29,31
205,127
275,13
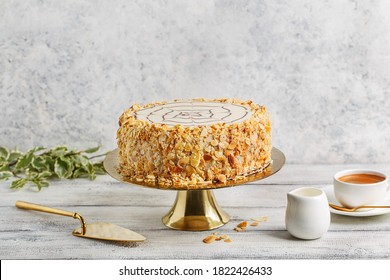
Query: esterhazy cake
192,143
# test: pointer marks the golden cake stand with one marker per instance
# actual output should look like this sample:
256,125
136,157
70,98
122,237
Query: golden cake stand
196,209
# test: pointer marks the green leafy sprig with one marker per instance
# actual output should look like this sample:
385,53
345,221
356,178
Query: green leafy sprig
38,165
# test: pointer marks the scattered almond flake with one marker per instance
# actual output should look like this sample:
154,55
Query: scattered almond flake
254,224
261,219
209,239
243,224
215,237
238,229
228,240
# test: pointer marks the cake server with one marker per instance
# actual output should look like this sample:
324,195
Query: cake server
99,230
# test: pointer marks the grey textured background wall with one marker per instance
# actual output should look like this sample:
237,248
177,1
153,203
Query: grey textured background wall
69,68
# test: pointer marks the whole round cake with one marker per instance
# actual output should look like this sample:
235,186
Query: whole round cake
193,143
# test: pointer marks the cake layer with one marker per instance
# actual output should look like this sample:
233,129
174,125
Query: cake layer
195,142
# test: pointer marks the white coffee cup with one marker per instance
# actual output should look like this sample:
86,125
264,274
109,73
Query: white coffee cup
357,194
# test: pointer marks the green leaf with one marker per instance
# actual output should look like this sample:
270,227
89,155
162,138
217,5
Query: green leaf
92,150
58,151
18,184
99,168
80,172
30,174
3,161
91,171
4,153
4,166
4,175
50,163
40,164
24,161
40,183
14,156
44,175
63,168
79,160
36,149
90,168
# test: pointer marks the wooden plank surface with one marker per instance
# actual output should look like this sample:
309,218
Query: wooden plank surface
34,235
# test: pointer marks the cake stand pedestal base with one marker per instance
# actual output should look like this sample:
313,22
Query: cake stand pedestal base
195,210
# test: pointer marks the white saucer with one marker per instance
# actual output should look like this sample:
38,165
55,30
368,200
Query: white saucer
373,212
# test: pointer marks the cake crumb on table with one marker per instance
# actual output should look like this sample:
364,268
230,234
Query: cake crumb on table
241,226
216,237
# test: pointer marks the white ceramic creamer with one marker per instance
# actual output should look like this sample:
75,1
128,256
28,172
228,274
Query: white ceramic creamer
307,213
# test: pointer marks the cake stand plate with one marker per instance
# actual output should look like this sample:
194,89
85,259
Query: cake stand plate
196,209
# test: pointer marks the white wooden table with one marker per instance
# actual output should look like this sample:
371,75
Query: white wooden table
35,235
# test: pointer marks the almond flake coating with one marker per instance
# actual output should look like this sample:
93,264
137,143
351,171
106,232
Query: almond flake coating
190,157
